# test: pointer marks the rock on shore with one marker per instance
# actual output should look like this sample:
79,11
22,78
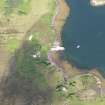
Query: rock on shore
97,2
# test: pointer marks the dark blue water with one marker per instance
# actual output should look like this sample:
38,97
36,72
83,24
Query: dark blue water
85,27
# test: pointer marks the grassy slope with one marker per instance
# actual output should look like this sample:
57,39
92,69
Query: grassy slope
70,96
34,74
23,15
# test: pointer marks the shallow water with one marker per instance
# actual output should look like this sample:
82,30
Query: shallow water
83,35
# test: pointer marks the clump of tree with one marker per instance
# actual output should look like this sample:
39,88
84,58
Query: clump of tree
27,79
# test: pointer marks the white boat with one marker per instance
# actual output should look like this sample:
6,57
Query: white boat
78,46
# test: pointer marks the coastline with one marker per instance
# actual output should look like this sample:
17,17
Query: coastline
54,57
58,21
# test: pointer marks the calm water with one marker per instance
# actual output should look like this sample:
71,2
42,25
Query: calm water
83,35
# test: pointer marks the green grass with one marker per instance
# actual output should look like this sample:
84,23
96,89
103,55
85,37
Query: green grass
20,6
2,2
76,84
27,66
44,31
12,45
97,101
24,7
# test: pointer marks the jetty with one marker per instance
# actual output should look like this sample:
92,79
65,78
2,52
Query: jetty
57,47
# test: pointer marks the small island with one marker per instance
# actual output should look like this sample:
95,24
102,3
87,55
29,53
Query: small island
97,2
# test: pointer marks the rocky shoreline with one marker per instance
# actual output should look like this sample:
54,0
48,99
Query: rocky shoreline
62,11
58,21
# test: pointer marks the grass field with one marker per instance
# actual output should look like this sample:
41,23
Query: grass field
32,77
15,20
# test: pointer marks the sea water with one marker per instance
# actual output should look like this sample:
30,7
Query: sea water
83,35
